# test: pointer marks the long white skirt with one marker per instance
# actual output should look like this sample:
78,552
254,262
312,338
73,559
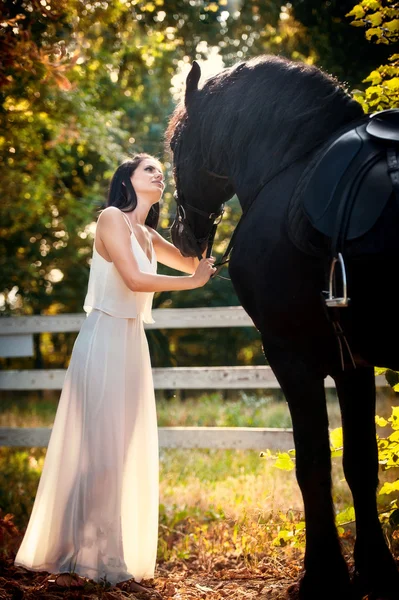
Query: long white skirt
96,509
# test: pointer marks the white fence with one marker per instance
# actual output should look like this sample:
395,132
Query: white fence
16,339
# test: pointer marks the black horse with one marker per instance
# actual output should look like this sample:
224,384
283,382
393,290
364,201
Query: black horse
259,130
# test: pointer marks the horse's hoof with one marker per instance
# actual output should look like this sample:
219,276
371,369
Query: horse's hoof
383,588
293,592
311,589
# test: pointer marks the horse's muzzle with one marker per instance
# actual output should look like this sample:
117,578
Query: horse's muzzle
182,241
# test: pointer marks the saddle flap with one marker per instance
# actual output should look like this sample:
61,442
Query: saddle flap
372,196
384,125
349,186
319,195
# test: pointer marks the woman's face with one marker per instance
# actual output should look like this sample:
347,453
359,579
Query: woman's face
147,179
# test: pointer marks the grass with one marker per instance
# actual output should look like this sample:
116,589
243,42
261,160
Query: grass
213,503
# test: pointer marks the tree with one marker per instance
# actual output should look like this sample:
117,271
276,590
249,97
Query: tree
340,49
382,27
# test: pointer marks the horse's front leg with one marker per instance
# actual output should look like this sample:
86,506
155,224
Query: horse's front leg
375,570
326,575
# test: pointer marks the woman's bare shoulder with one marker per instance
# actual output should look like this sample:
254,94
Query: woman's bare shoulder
109,210
110,214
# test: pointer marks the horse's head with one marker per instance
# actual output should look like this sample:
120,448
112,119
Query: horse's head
200,192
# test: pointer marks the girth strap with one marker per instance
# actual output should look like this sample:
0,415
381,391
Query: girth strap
393,170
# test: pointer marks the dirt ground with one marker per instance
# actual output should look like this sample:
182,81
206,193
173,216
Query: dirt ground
269,579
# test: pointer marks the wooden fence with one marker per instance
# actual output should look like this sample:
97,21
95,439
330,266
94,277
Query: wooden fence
16,339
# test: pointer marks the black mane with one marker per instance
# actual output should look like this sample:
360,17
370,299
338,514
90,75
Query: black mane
278,108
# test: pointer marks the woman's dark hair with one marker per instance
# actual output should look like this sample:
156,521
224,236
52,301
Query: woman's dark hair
121,191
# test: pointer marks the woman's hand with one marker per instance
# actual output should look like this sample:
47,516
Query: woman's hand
203,272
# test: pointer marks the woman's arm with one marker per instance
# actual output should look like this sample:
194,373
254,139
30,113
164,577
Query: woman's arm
169,255
114,234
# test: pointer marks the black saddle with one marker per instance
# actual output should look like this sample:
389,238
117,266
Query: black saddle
352,180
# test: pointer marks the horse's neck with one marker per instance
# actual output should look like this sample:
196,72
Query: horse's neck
251,183
254,168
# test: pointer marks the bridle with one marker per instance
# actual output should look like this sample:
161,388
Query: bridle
182,207
214,218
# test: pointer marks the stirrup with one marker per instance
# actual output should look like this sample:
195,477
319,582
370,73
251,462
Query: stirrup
330,300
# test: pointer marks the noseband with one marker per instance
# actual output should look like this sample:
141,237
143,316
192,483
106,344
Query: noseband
214,218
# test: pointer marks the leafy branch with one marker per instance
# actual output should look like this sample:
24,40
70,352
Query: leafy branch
382,27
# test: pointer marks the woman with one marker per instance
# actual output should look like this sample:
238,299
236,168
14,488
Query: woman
96,510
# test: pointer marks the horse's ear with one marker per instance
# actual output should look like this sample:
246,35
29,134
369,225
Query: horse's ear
192,82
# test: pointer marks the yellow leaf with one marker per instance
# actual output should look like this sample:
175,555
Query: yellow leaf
346,515
284,462
394,418
388,487
378,370
375,19
392,26
282,538
394,437
373,90
358,12
337,453
372,4
336,438
374,31
374,78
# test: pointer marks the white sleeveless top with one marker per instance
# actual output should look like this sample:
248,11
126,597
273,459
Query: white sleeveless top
108,292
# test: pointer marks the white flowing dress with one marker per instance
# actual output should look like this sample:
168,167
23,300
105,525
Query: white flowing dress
96,508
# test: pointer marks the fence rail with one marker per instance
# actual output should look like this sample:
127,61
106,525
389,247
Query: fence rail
240,438
16,339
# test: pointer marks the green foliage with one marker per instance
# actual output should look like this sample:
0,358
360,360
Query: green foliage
281,460
64,130
388,450
381,21
337,47
19,477
392,377
291,531
389,447
388,453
